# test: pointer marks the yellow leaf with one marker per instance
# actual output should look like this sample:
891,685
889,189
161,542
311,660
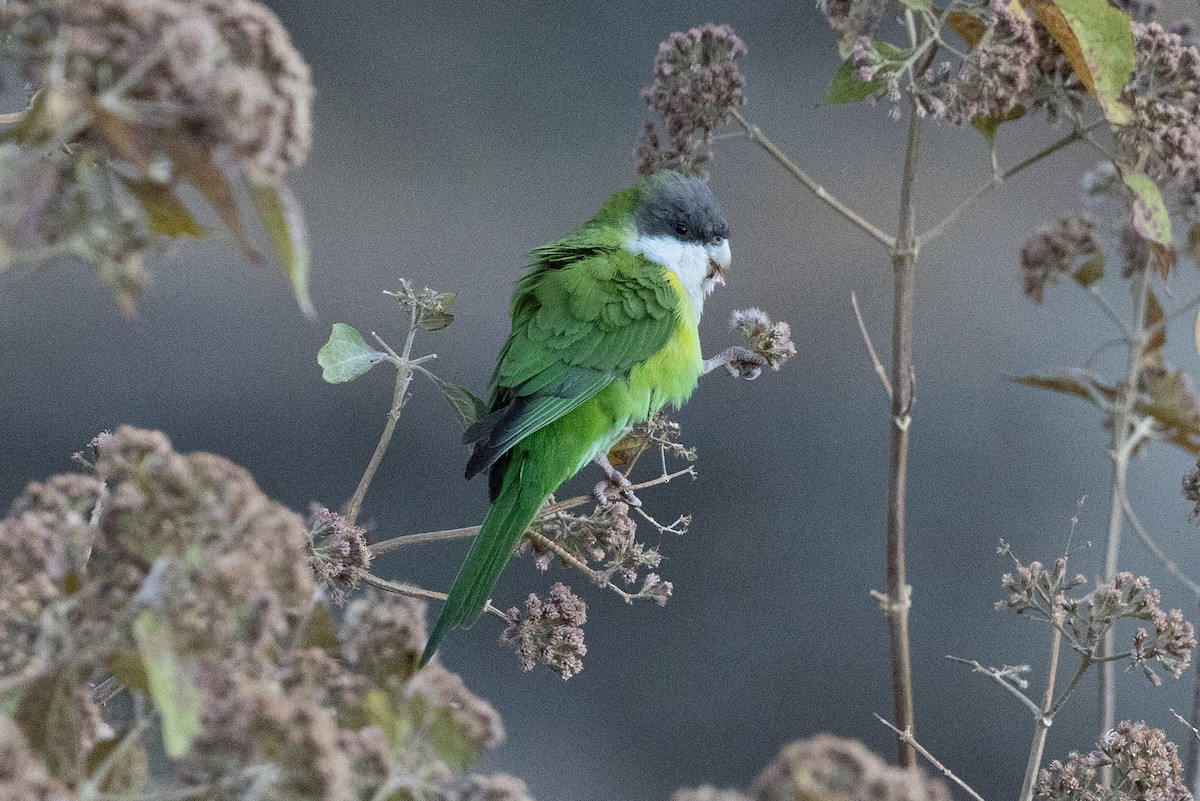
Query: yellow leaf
165,211
194,164
1097,41
284,223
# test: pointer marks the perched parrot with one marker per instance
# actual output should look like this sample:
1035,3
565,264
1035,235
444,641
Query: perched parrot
603,336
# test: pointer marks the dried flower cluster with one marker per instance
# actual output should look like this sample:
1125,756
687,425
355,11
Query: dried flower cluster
772,341
1013,64
1165,132
135,97
827,766
430,307
1062,248
1145,766
1191,491
1084,621
548,631
607,541
339,552
697,81
176,575
993,80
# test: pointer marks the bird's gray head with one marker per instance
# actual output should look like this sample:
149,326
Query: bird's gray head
682,209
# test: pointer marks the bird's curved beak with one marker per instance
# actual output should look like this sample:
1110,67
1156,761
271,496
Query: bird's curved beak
719,260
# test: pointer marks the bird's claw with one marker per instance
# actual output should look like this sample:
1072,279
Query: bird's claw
619,482
740,362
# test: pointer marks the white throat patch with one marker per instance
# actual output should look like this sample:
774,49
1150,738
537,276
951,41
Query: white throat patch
688,260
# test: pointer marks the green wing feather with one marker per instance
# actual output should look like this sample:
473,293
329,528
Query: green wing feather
583,316
577,326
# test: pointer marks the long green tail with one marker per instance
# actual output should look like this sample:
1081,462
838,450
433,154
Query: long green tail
507,520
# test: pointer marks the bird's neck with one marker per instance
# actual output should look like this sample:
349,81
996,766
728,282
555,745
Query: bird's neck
687,260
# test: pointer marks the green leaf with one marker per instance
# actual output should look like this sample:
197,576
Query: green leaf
1097,40
164,210
1090,271
1174,407
176,696
50,715
1150,217
346,355
319,629
129,670
466,406
845,88
987,124
1193,241
283,220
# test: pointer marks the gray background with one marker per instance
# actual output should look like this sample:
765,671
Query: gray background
453,138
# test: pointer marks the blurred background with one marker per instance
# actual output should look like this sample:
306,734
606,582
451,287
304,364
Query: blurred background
453,138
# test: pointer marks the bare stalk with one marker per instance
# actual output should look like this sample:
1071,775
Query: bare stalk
420,593
1121,453
395,543
906,736
404,374
1045,717
899,594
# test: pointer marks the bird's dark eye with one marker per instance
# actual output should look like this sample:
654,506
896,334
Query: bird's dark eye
681,230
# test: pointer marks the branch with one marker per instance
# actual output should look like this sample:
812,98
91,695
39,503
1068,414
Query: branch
1168,564
403,379
1120,452
907,737
421,594
395,543
1045,717
996,676
999,177
598,578
880,370
755,135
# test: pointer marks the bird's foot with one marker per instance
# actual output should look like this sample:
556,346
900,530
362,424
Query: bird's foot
739,362
614,479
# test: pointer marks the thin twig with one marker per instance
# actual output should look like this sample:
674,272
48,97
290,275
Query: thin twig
1120,452
995,675
1184,721
615,493
395,543
176,794
755,135
419,593
1043,720
880,370
107,690
403,379
545,543
1112,314
1168,564
113,758
906,736
999,177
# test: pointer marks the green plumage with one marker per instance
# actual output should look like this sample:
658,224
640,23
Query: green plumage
601,338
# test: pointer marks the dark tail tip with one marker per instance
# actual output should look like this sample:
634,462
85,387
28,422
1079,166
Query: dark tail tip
435,639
